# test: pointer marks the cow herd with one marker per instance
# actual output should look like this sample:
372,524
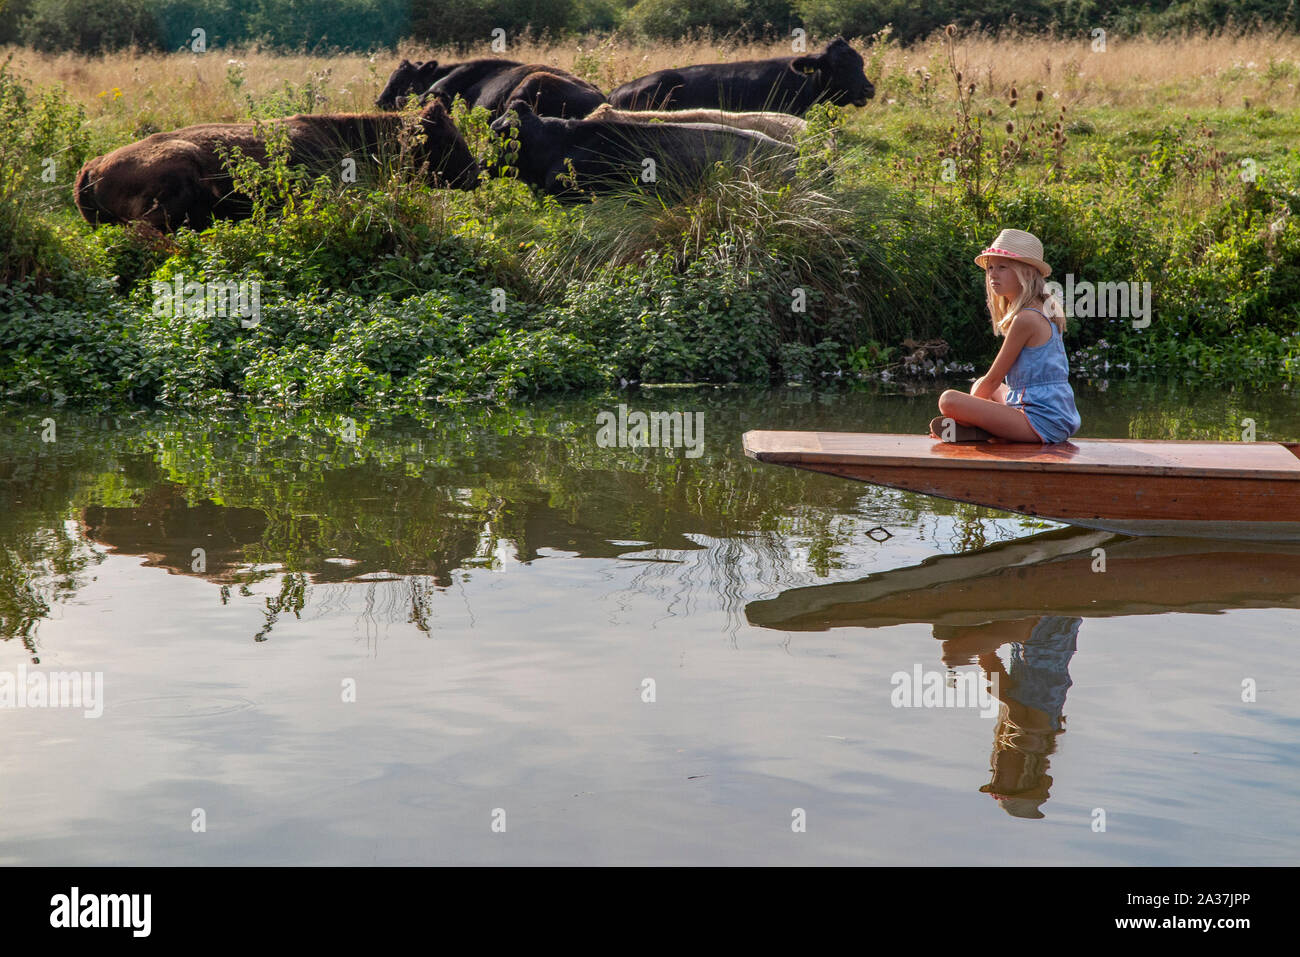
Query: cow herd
569,138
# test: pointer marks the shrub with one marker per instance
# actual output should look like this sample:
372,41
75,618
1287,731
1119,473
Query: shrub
707,323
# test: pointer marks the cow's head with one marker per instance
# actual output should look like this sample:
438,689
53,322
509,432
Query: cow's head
520,117
839,70
449,154
407,79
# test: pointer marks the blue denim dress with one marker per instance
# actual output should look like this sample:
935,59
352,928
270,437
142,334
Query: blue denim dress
1040,666
1039,384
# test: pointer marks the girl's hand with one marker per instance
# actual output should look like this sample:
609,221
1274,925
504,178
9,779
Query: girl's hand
986,387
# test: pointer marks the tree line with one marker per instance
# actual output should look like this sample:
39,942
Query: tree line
95,26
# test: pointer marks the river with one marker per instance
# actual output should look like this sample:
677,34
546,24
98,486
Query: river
494,637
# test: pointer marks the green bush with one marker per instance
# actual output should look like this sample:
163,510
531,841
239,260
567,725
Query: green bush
53,349
669,19
912,21
43,138
222,23
1241,269
12,15
43,143
33,248
655,324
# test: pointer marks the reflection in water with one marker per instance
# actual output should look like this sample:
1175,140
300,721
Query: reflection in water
167,530
980,601
1032,695
247,501
290,500
38,571
1069,571
267,495
502,585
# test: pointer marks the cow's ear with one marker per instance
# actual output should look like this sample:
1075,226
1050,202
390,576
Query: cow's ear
521,107
806,64
404,62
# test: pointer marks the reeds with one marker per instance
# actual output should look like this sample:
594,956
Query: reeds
174,89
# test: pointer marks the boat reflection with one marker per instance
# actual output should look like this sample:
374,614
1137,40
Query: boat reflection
1070,572
1032,595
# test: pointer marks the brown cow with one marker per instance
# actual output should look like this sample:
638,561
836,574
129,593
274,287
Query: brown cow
176,179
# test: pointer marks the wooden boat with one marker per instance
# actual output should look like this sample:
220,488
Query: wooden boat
1232,490
1055,570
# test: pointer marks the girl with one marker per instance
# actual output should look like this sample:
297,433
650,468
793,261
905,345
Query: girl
1036,403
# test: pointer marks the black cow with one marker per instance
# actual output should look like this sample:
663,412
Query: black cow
411,79
609,156
787,84
492,84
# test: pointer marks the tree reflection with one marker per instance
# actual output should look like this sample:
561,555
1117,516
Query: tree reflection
242,500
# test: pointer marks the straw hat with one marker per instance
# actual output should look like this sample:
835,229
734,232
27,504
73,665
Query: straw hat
1017,244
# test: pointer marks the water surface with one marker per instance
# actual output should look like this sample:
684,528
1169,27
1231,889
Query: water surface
498,588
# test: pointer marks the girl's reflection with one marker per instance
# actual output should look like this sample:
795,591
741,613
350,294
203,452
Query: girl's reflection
1032,694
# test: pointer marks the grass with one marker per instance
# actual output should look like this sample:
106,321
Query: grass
1197,70
1244,85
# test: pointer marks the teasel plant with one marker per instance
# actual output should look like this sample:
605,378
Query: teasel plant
981,150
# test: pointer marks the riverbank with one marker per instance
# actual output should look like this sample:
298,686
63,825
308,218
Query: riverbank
1160,168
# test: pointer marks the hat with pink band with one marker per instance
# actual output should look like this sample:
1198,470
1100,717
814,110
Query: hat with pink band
1018,245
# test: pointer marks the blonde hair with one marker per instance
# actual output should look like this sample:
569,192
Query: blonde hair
1033,287
1035,744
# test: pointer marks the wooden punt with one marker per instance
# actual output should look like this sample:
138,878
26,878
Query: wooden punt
1056,570
1232,490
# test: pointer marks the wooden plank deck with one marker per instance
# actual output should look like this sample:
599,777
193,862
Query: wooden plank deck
1239,490
1137,457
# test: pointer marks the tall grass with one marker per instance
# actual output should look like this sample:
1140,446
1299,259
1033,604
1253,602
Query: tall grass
1196,69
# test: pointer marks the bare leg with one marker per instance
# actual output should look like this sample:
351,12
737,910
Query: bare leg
970,641
990,415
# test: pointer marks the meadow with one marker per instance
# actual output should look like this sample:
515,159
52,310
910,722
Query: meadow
1167,160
